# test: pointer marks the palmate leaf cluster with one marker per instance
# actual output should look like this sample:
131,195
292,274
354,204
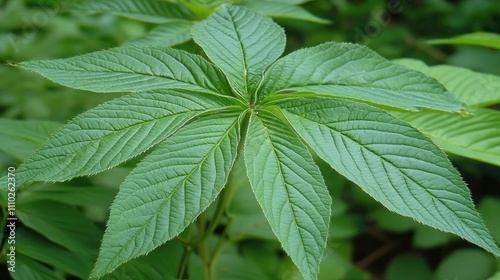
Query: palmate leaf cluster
194,117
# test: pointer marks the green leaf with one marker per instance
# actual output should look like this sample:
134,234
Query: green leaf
472,88
289,188
475,135
391,221
355,72
295,2
61,224
205,4
470,264
21,138
248,221
169,189
391,161
113,132
27,268
276,9
152,11
485,39
489,207
242,43
232,265
160,264
36,247
408,267
426,237
172,33
133,69
72,195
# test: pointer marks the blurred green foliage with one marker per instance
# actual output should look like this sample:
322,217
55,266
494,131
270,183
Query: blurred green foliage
366,242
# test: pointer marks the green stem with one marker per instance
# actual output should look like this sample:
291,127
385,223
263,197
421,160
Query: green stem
220,243
186,241
203,252
202,225
221,206
184,261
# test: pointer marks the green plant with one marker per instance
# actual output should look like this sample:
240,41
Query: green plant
274,111
174,19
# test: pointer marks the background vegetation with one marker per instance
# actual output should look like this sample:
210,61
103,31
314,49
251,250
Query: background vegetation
367,241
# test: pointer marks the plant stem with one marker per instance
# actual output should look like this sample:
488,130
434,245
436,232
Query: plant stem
220,243
203,252
221,206
184,261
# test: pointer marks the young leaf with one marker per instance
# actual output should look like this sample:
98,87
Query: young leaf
169,34
289,188
242,43
355,72
472,88
133,69
391,161
152,11
475,136
169,189
112,133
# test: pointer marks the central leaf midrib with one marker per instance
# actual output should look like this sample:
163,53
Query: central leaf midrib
140,74
243,54
176,188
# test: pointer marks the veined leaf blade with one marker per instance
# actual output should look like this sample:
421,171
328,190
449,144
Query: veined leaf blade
152,11
113,132
475,136
472,88
169,189
355,72
289,188
133,69
391,161
242,43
